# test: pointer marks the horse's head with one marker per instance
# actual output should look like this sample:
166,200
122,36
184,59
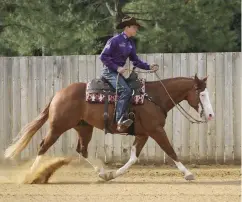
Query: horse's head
198,98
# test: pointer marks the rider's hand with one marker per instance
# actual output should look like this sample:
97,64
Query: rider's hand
121,70
154,67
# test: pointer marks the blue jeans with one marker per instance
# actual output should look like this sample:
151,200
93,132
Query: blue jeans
124,90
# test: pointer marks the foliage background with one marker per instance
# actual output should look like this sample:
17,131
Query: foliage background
65,27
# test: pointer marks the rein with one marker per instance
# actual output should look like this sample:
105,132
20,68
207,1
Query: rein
187,114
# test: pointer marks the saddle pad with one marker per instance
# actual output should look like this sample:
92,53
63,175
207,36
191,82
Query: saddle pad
98,97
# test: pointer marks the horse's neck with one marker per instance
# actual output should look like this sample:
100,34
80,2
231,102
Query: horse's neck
177,89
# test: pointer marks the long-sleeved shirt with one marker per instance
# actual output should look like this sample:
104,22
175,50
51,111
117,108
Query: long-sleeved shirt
117,50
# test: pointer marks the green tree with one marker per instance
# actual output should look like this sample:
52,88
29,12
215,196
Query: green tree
64,27
196,26
61,27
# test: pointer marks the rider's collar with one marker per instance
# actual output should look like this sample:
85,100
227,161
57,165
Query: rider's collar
124,35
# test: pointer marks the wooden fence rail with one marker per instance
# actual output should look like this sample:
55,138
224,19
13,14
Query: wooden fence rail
28,83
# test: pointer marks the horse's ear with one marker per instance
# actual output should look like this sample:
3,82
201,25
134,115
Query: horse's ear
196,78
205,79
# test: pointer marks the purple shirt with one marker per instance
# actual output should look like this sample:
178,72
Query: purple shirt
117,50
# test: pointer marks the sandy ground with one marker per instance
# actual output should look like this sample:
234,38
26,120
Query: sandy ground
79,182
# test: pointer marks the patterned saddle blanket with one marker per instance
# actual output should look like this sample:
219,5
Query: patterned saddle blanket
96,89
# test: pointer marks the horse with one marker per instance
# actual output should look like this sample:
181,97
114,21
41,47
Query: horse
73,107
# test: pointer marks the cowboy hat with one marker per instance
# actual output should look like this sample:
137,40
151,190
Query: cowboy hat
127,21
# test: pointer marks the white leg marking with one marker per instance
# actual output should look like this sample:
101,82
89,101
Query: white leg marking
80,156
132,160
113,174
182,168
36,162
96,168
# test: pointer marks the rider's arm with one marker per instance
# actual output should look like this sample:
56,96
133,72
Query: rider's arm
106,55
136,61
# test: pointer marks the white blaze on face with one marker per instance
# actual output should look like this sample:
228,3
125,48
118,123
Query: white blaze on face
208,110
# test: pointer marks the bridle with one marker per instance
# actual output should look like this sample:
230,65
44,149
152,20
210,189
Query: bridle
184,111
197,92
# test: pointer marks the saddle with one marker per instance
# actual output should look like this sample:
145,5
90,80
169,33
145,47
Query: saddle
101,91
97,88
101,85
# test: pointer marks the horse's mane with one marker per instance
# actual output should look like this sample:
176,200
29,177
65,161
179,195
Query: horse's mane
171,79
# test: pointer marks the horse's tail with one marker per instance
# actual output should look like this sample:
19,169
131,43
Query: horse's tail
25,135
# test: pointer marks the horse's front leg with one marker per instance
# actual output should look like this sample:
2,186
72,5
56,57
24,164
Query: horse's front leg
138,144
159,135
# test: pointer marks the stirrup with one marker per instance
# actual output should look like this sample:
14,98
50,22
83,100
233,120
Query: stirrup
122,125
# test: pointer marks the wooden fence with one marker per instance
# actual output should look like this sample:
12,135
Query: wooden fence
28,83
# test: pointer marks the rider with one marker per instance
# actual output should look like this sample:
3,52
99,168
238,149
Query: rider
114,56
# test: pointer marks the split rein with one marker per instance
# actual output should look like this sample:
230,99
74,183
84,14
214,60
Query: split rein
187,114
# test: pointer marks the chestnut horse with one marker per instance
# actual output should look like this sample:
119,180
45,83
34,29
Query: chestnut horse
69,106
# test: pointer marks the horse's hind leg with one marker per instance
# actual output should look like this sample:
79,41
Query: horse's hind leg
85,136
159,135
45,144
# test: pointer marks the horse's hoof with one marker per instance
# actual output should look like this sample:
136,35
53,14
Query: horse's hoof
102,175
189,177
106,176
